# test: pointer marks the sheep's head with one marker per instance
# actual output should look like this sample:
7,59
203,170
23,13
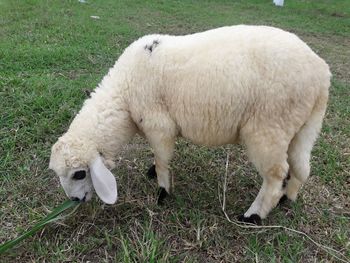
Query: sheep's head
81,169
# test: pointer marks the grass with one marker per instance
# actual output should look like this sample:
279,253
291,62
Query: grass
52,52
53,216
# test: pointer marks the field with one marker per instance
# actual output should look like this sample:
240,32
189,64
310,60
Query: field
52,53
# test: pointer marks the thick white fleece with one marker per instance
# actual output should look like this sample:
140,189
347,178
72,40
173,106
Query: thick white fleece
255,84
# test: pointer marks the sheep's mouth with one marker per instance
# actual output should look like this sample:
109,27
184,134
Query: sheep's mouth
84,199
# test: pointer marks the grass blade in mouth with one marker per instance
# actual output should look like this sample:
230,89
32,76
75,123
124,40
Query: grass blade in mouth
53,216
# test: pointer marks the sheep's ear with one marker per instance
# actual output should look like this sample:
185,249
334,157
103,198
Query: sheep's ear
104,181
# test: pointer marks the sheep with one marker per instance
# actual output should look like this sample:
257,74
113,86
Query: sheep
255,85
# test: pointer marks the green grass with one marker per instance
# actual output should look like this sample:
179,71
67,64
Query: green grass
53,216
52,52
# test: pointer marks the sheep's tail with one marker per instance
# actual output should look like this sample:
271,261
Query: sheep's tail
299,150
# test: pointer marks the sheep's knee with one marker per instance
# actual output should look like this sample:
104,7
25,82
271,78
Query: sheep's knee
299,171
292,188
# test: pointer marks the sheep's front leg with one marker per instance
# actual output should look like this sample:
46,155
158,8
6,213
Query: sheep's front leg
151,173
163,147
161,136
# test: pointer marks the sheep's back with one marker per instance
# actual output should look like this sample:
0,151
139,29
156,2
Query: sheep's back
212,83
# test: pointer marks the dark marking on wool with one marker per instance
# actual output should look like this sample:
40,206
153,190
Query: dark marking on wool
87,93
162,194
253,219
285,180
140,121
152,46
151,173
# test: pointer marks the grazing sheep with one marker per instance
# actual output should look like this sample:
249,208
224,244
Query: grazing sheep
257,85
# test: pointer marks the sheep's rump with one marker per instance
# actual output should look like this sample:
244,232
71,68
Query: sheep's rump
214,83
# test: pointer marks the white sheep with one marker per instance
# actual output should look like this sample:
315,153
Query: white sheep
257,85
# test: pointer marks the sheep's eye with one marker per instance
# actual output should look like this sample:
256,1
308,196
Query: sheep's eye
79,175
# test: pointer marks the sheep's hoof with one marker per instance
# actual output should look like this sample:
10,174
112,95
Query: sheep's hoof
162,193
253,219
151,173
283,200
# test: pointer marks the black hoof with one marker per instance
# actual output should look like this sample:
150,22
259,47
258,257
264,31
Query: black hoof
283,200
162,194
253,219
151,173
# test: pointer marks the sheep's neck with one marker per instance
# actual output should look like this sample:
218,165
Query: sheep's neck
105,121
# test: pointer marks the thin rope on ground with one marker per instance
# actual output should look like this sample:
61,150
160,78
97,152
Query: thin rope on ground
338,255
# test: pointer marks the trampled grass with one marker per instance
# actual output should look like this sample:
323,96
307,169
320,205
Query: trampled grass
53,52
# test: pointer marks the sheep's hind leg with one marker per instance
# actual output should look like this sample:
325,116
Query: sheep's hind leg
299,153
270,160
